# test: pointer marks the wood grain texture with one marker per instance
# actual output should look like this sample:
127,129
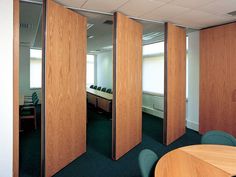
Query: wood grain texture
220,156
65,87
217,79
127,85
16,53
175,83
188,161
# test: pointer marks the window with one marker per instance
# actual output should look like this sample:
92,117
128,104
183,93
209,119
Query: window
153,68
35,68
90,70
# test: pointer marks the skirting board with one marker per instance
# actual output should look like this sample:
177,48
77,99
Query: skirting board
153,112
192,125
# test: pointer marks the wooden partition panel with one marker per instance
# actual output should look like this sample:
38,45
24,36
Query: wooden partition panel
175,83
218,79
127,85
16,59
65,87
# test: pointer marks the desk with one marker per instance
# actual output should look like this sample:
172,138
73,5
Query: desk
99,99
198,161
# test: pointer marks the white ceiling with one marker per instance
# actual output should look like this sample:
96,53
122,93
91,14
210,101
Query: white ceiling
195,14
30,15
102,33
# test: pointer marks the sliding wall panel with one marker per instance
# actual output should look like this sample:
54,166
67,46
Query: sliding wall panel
218,79
175,83
16,59
127,85
65,87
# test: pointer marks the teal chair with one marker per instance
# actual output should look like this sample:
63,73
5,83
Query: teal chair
218,137
147,162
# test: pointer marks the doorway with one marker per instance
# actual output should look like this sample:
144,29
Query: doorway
30,84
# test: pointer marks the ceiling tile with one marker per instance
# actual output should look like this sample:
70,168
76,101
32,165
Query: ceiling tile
103,5
198,18
165,12
191,3
219,7
72,3
137,8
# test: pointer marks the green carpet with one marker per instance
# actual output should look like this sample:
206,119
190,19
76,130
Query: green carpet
97,162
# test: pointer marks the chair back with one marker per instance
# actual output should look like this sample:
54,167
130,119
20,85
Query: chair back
108,90
218,137
99,88
94,87
147,161
91,86
103,89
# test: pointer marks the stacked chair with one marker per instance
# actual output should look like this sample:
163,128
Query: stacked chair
101,89
28,110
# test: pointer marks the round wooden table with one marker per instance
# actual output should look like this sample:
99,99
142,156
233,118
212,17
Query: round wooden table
198,161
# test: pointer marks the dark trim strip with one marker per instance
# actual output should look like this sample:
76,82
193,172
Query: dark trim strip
217,25
165,84
44,26
114,88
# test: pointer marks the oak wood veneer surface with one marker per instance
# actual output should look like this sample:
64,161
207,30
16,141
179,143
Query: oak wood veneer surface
198,161
218,79
127,85
175,83
65,87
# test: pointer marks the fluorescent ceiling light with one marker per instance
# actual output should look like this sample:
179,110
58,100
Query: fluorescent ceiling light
108,47
151,35
89,26
90,37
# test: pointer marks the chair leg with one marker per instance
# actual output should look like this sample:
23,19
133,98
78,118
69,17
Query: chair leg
35,121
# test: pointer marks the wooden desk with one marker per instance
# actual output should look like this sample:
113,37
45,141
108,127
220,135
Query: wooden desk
100,99
198,161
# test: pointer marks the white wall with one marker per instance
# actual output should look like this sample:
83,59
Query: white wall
104,69
153,104
24,70
6,94
193,81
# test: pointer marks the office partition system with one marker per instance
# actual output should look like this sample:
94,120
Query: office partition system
217,79
175,83
16,65
127,85
65,86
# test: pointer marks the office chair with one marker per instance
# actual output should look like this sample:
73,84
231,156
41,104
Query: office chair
91,86
147,161
108,91
218,137
30,99
28,112
95,87
99,88
103,89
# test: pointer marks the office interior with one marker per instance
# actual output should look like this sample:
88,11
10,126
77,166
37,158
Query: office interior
30,84
209,95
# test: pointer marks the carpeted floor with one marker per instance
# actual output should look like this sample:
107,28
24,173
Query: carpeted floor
97,162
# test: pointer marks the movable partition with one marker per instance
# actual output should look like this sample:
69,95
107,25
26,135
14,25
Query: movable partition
127,85
65,86
175,83
217,79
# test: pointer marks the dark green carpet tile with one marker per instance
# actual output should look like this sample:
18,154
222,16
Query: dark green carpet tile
30,143
97,162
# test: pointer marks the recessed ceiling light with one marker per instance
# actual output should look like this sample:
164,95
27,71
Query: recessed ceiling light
90,37
151,35
108,47
89,26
